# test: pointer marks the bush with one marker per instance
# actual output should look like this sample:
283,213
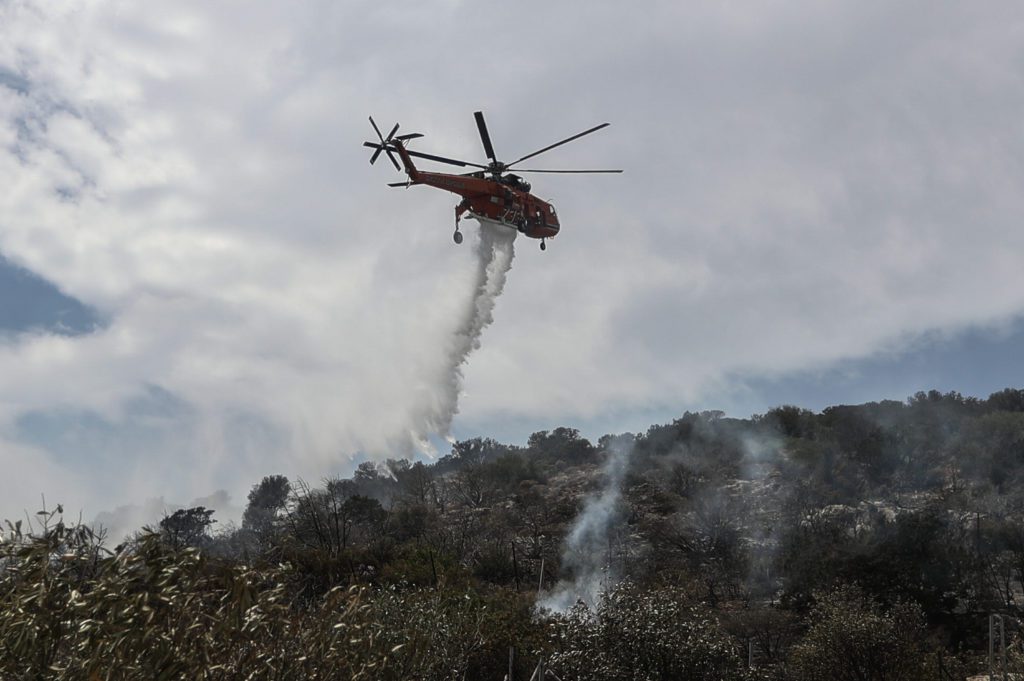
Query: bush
852,638
454,633
642,635
69,610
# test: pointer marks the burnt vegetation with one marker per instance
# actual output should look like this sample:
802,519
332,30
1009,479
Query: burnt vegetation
866,542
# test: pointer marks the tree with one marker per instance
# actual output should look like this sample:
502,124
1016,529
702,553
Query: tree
707,541
415,482
331,519
477,450
187,526
270,493
769,633
791,421
853,638
564,444
1007,400
474,486
367,471
267,500
1001,436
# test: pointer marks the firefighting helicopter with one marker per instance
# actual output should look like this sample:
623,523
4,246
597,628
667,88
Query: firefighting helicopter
489,194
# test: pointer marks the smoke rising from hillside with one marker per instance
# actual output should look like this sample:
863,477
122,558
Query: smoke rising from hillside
586,555
495,251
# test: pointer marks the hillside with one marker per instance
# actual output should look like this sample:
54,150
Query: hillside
861,542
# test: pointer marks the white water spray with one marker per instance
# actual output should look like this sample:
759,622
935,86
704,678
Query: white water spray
586,556
495,251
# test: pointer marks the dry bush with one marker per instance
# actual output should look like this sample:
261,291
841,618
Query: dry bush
70,610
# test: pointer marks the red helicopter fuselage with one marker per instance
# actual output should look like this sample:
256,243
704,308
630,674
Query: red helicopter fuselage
506,201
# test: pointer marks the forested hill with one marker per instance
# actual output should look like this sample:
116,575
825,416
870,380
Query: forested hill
862,542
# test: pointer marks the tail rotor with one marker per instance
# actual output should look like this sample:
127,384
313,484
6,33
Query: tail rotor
386,143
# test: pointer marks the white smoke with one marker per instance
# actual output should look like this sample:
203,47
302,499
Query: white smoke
587,554
495,251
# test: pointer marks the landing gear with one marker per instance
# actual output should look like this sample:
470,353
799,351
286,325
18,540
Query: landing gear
543,246
459,209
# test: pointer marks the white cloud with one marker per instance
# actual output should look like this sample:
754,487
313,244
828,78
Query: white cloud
23,470
803,185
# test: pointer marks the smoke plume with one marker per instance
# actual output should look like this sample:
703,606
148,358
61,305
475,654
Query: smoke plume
587,554
495,251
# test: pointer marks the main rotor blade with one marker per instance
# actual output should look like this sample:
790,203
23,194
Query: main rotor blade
524,170
484,136
429,157
558,144
442,159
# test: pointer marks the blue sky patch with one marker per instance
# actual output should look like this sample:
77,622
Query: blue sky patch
30,303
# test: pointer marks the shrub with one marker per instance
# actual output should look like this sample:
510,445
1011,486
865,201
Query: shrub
642,635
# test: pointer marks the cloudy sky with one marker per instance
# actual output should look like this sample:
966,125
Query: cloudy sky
203,281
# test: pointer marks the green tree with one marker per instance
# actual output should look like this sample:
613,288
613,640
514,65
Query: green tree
564,444
187,527
267,501
791,421
1007,400
852,638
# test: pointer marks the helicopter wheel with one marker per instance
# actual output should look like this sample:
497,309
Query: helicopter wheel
457,236
543,246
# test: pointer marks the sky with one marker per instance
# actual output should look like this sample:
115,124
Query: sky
203,281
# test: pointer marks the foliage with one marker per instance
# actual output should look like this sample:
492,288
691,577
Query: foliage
69,610
187,526
562,443
430,569
852,638
643,635
267,500
453,633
